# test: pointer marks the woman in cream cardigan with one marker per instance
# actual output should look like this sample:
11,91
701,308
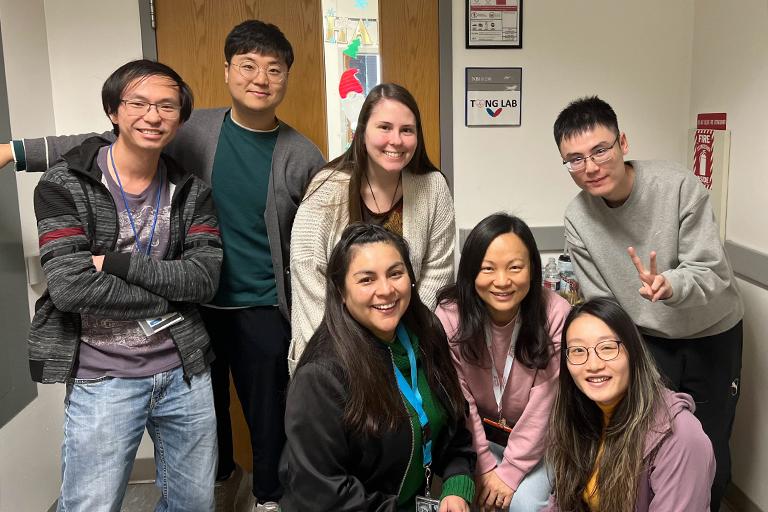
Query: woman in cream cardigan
385,177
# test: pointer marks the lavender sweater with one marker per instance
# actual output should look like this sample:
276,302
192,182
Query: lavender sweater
679,476
526,400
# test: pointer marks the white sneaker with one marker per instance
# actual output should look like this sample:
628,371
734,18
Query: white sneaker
269,506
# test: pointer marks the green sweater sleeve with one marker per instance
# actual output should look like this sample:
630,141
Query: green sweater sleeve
19,155
459,485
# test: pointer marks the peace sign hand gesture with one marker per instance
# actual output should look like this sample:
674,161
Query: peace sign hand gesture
655,286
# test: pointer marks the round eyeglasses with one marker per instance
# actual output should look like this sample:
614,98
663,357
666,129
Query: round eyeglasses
607,350
599,156
250,70
135,108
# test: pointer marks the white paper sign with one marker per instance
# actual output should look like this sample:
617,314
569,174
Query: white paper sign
493,96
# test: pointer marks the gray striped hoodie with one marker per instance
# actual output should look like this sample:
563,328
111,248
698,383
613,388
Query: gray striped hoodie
77,218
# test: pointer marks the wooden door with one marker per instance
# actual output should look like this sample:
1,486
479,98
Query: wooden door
410,56
190,38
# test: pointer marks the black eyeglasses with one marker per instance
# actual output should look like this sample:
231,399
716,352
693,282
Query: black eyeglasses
599,156
137,108
607,350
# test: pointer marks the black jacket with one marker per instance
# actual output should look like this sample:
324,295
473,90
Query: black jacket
325,467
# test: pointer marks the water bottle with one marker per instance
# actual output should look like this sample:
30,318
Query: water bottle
565,270
551,276
569,286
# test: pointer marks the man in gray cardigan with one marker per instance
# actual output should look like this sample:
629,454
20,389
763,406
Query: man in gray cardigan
258,168
688,306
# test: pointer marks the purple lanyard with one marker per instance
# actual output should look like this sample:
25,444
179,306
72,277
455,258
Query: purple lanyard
128,210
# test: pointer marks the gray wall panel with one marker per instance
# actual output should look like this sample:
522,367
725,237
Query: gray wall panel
16,388
749,264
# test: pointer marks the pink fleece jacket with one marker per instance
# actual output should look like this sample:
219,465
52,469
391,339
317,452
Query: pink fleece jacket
678,478
526,400
679,461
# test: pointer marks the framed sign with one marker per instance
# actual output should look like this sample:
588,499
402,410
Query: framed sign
493,96
494,23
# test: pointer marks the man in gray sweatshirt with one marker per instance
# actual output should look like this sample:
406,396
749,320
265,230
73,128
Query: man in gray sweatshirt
650,224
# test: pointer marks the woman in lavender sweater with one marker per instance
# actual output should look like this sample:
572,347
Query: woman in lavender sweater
618,439
505,331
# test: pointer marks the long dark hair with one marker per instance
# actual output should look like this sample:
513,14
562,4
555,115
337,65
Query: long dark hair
533,348
576,426
374,403
355,159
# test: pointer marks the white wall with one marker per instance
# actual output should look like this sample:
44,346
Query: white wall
635,55
52,88
29,444
730,74
108,32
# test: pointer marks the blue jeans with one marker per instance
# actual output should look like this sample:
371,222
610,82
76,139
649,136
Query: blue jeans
533,492
104,420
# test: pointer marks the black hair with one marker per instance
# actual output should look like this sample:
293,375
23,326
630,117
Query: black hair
582,115
374,403
258,37
533,348
138,70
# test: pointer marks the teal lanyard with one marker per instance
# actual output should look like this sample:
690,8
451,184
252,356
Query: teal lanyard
412,394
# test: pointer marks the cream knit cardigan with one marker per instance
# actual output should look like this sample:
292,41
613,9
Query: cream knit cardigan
428,227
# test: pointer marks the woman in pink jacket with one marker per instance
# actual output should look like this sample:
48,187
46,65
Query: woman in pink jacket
505,331
619,440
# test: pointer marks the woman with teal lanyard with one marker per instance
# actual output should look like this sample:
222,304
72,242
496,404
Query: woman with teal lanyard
374,409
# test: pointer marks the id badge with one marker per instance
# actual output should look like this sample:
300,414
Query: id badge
152,326
427,504
496,431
